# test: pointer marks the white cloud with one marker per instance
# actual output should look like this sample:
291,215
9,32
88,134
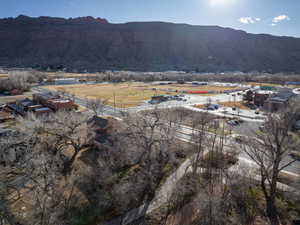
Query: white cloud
280,18
248,20
273,24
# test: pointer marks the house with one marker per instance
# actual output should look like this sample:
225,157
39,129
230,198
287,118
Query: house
61,104
25,104
279,100
43,98
248,96
54,102
260,97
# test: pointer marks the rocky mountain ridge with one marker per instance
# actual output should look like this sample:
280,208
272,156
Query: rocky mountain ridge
94,44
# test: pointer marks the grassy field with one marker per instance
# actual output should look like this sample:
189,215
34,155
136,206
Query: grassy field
129,94
123,94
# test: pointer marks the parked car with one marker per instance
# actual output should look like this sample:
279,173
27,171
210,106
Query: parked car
216,106
233,122
153,102
211,107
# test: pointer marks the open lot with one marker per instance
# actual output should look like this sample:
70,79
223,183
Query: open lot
131,94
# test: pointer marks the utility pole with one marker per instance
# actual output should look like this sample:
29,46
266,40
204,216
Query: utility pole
114,101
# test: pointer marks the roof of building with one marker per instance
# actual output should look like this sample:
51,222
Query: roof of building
283,96
42,109
262,92
60,100
26,102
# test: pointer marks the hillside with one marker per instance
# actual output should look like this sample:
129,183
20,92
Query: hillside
94,44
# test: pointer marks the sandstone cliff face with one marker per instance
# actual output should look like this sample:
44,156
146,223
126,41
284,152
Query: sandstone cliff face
94,44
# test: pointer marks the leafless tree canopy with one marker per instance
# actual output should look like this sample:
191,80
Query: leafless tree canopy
270,150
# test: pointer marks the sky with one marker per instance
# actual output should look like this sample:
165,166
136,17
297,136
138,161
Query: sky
277,17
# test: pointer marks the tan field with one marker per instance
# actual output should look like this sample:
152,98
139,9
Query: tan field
129,94
121,95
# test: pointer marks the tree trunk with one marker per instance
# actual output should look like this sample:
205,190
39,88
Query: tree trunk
68,165
272,212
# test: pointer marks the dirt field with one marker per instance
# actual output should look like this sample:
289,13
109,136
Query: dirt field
123,94
129,94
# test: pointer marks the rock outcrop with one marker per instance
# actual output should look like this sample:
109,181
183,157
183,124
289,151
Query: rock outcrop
93,44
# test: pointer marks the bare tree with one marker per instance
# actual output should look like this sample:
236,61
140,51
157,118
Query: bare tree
269,151
154,138
19,79
69,132
96,105
34,173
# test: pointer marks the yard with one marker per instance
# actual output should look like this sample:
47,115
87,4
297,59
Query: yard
129,94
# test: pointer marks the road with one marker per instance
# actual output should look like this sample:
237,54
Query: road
185,132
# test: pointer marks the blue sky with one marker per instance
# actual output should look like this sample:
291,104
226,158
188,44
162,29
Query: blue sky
278,17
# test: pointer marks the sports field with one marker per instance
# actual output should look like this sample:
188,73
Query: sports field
129,94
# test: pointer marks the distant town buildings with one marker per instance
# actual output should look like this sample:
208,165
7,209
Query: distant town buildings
64,81
40,104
